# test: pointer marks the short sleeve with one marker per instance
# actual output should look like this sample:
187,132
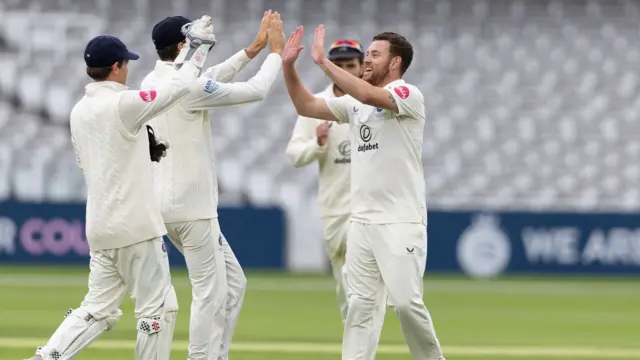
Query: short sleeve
409,99
339,107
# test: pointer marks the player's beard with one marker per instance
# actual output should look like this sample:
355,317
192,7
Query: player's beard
377,77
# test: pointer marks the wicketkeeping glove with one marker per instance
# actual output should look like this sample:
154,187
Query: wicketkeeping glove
157,146
200,39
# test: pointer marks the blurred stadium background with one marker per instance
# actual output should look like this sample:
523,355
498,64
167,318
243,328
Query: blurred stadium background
531,157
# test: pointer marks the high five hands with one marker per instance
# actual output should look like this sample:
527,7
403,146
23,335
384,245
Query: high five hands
262,37
294,46
269,33
276,34
317,51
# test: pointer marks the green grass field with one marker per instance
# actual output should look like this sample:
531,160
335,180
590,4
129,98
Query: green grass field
291,317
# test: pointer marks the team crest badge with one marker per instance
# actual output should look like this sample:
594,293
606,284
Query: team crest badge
211,86
402,92
148,95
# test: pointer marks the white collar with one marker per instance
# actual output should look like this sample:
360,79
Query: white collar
97,86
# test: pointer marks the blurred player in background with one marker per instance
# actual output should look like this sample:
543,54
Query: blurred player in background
124,223
387,236
328,143
186,180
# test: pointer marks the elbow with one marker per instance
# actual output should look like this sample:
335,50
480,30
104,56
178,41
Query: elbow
297,163
303,111
304,108
293,158
259,92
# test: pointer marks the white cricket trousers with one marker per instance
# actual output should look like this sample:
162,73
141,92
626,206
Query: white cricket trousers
218,286
392,256
140,269
336,229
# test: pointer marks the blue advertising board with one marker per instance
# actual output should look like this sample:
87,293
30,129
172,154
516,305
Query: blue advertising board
474,243
54,234
490,244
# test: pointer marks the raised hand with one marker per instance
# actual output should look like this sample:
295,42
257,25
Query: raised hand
317,52
262,37
276,34
200,32
293,48
200,39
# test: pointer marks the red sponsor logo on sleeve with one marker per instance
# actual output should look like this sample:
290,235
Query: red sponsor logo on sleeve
148,95
402,92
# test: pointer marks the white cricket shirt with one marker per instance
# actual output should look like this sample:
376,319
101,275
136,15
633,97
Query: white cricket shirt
387,179
185,180
334,159
112,149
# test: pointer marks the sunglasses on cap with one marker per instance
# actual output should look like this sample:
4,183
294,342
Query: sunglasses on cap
347,43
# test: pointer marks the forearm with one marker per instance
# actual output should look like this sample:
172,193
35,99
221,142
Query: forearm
359,89
252,51
134,113
304,102
263,81
354,86
227,70
231,94
180,83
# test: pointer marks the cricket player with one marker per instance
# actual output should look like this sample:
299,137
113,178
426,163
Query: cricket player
186,180
387,237
328,144
124,223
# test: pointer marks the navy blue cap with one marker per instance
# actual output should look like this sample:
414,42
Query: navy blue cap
169,31
105,50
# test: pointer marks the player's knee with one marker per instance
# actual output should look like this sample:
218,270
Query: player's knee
216,294
153,324
170,303
112,319
83,314
405,306
361,310
402,309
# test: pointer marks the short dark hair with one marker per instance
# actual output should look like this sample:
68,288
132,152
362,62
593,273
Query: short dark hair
102,73
168,53
398,46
